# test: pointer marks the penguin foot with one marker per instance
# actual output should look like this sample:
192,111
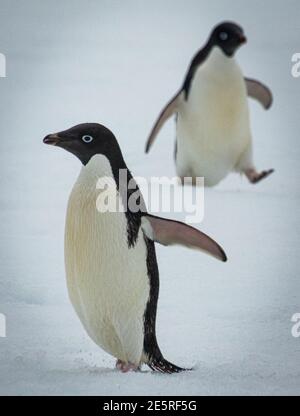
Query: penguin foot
255,177
126,367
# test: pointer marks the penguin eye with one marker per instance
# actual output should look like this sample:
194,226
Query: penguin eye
223,36
87,139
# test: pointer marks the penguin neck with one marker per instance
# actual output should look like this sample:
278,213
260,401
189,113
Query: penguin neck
217,68
100,166
209,56
218,59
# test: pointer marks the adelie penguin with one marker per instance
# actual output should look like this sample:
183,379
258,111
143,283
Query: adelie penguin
213,135
111,267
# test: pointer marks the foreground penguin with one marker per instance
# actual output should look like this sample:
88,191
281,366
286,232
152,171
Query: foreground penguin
111,267
213,135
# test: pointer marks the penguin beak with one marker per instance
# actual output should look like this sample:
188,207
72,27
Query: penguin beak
243,39
52,139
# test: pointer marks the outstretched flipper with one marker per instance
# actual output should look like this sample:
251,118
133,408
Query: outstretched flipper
169,232
259,92
170,109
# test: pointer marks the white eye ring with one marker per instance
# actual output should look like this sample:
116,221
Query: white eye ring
223,36
87,138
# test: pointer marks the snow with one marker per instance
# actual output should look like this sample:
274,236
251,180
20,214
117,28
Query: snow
118,63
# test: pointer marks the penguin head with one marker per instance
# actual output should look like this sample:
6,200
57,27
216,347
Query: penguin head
228,37
85,141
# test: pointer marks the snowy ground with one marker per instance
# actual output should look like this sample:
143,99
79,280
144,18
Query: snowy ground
118,62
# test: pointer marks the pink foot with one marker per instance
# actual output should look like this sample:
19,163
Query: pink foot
125,367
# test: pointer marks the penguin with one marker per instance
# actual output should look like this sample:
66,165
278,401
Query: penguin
213,135
111,266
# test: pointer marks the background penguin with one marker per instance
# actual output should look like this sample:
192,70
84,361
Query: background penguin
213,134
111,267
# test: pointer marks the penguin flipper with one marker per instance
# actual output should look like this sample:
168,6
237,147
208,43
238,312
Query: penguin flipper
170,109
259,92
169,232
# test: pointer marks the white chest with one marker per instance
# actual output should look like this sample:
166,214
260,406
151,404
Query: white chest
217,94
105,279
213,124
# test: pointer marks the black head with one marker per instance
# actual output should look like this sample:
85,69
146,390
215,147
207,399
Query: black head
86,140
228,36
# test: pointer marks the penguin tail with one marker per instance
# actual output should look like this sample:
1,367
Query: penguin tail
161,365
